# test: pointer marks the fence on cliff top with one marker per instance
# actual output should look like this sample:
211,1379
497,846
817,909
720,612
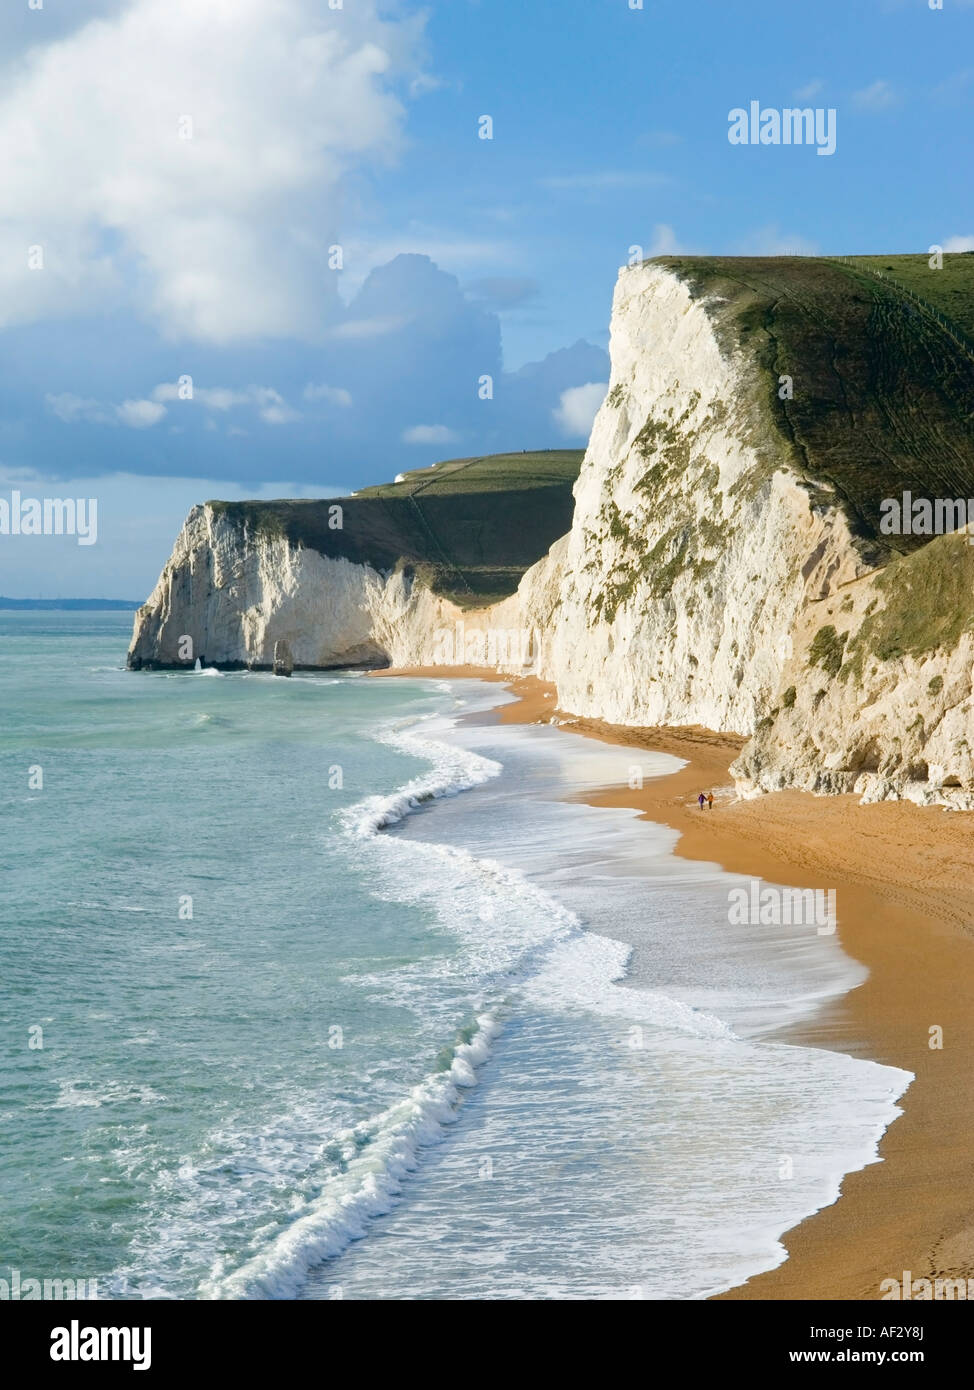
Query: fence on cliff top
950,327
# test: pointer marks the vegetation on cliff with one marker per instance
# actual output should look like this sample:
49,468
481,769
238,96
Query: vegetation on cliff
469,527
864,374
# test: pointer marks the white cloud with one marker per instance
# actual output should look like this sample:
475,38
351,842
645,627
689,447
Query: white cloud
222,397
664,241
72,409
271,406
959,243
220,236
279,415
809,90
215,397
424,83
429,434
458,255
878,96
578,407
334,395
140,415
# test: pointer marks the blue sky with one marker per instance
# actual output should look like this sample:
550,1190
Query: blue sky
207,250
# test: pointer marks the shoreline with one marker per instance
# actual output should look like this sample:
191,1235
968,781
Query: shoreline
905,899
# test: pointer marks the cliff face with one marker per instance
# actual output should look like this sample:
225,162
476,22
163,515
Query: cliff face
690,557
877,696
235,593
725,564
384,575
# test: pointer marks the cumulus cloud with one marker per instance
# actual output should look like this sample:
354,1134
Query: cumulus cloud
214,397
271,406
959,243
143,412
72,409
275,414
189,155
333,395
578,407
427,372
429,434
466,254
140,415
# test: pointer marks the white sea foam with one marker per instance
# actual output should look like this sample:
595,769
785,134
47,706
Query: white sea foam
454,770
378,1154
376,1157
517,946
78,1095
546,952
540,944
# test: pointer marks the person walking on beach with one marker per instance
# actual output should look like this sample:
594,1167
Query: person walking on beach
701,799
710,801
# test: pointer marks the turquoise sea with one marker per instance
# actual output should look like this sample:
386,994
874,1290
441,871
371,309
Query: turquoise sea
320,988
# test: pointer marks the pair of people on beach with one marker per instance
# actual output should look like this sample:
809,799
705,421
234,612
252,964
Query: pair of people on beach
707,797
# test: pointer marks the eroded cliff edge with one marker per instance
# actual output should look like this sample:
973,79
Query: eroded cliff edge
725,564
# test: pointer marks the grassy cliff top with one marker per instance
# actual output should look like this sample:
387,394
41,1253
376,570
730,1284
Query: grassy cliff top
950,289
470,527
488,473
880,350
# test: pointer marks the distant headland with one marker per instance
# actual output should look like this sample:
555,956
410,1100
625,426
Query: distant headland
73,605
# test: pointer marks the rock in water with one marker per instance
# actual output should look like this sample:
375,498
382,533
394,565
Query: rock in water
283,661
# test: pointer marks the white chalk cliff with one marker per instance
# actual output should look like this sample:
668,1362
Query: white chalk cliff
233,594
704,581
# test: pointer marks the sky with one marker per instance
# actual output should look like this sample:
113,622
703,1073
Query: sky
258,248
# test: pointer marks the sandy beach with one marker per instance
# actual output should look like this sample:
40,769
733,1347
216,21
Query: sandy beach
904,880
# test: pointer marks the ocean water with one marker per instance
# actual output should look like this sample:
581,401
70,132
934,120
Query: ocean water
339,996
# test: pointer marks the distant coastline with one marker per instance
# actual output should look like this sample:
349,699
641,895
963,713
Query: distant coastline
76,605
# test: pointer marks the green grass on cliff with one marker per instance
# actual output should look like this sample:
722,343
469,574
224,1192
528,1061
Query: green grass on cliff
928,604
469,527
949,289
883,390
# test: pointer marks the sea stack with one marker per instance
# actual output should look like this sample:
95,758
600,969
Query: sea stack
283,661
